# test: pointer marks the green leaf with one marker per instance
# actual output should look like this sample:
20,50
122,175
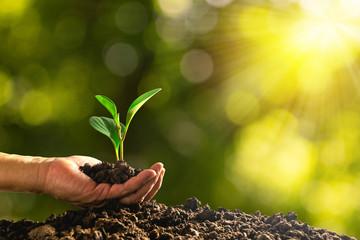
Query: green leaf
122,131
108,104
136,105
106,126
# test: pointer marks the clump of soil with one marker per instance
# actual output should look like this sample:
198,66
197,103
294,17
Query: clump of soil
110,173
152,220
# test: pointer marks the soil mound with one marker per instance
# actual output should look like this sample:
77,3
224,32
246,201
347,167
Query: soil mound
152,220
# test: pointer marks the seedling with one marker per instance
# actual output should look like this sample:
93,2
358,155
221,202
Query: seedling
112,127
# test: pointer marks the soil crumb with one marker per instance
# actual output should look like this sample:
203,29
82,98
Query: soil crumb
152,220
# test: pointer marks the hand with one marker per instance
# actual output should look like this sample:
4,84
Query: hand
62,178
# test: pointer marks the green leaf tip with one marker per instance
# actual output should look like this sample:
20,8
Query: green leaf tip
108,104
137,104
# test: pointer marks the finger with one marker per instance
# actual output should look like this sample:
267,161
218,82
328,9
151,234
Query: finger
138,196
157,167
145,191
131,185
101,192
156,187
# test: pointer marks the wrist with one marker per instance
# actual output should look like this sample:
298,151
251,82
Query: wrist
37,172
21,173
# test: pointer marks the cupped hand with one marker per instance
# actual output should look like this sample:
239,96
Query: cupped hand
62,178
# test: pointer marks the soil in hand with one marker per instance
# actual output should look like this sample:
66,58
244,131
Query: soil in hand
110,173
152,220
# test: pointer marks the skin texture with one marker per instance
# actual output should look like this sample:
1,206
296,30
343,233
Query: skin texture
61,178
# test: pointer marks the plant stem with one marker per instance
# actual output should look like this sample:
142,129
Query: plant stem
117,154
121,150
121,144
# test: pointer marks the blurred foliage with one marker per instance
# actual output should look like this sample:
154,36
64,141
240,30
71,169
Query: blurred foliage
259,108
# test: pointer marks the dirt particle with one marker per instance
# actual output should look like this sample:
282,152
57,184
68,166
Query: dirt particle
193,232
114,237
154,234
207,214
229,216
98,235
67,238
212,235
344,237
296,234
290,216
166,236
264,237
283,226
192,204
42,232
257,213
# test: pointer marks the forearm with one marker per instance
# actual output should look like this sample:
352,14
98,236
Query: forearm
20,173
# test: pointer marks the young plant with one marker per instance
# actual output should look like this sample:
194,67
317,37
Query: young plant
112,127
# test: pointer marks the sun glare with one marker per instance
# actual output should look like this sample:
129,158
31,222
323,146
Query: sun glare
322,35
326,28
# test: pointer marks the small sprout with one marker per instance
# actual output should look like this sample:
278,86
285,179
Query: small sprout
112,127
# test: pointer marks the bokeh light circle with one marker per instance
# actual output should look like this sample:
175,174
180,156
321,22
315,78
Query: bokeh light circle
202,18
175,8
196,66
174,32
219,3
121,59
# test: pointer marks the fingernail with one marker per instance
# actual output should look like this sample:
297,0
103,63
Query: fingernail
158,171
151,176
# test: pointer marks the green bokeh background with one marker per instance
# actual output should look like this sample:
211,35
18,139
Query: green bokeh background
56,55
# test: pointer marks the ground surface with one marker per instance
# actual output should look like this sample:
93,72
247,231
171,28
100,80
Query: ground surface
152,220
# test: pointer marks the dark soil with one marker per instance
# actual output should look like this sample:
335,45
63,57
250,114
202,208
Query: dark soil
152,220
110,173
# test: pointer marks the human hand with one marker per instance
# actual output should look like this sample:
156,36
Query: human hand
62,178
